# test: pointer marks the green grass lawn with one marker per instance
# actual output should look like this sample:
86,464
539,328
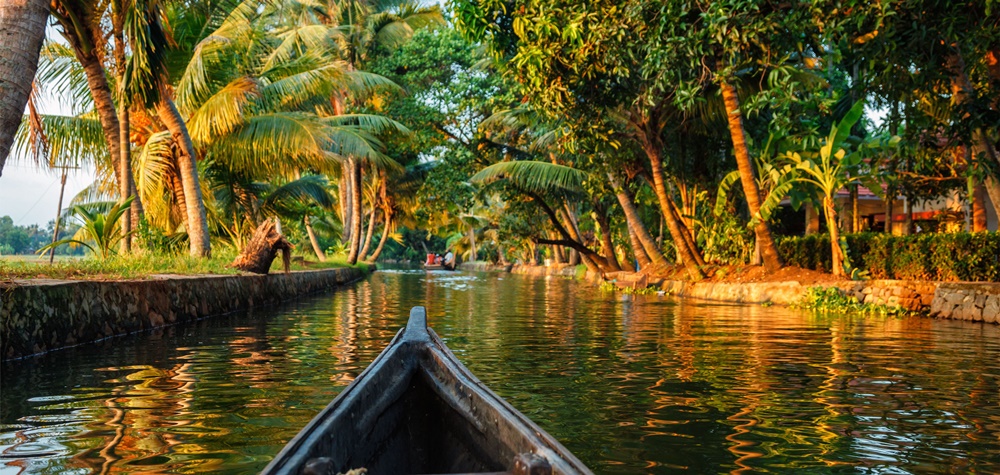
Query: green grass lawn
139,266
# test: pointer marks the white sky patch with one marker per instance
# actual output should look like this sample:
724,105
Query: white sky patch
29,193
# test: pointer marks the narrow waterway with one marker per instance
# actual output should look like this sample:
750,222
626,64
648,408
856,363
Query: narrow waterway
642,384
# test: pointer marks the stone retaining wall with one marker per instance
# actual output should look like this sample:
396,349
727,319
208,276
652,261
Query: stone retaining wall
43,315
565,270
972,301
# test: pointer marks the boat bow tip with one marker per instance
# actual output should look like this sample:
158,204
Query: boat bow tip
416,327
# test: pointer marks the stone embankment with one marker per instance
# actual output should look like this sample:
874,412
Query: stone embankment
43,315
971,301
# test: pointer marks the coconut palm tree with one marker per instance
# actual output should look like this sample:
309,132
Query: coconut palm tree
255,89
22,30
367,28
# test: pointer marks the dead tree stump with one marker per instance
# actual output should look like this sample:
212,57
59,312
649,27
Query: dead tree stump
263,247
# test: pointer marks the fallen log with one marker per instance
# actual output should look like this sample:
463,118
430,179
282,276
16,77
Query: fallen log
263,247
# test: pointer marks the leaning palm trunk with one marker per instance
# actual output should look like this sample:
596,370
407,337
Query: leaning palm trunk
197,224
356,197
368,234
640,253
313,240
606,244
383,239
769,251
22,29
634,223
684,251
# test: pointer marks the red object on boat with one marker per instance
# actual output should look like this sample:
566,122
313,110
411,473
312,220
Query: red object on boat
430,259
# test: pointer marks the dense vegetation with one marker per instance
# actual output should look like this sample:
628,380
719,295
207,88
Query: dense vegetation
603,133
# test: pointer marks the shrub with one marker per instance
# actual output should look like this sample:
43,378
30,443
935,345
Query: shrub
946,257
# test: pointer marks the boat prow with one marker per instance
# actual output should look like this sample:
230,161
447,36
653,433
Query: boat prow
417,410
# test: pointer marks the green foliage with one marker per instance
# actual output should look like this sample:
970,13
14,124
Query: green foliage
725,239
947,257
832,299
155,240
100,228
138,266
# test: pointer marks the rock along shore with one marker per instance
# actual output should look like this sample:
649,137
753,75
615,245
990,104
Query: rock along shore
971,301
43,315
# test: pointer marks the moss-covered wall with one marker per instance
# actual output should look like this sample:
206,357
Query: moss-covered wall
42,315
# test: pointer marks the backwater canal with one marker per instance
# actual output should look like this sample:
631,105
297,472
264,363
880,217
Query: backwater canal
631,385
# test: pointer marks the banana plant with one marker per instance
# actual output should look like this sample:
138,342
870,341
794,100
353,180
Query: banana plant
835,165
102,229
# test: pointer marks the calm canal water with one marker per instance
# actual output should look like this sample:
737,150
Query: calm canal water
633,385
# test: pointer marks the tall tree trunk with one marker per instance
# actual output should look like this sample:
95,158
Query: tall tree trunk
187,167
177,190
472,243
635,225
769,251
979,208
890,199
961,88
556,250
346,195
684,252
908,216
356,197
313,240
686,234
104,104
836,253
855,219
127,185
575,258
22,30
637,249
384,238
601,217
368,235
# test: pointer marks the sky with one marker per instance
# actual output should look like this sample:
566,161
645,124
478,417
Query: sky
30,194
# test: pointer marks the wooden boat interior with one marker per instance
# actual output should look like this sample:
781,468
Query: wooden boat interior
417,410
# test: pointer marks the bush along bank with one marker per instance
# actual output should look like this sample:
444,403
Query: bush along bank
951,257
44,315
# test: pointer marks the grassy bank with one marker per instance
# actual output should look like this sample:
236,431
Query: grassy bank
138,266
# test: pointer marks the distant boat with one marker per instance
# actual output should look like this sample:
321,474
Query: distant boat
417,409
438,267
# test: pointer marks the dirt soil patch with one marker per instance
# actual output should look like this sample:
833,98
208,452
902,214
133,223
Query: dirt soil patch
743,274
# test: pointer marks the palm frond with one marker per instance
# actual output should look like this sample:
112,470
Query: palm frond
296,41
60,73
278,142
303,191
533,175
224,111
70,140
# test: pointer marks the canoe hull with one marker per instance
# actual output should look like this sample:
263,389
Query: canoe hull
438,267
417,409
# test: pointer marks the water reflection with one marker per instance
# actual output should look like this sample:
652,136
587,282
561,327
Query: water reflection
639,384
